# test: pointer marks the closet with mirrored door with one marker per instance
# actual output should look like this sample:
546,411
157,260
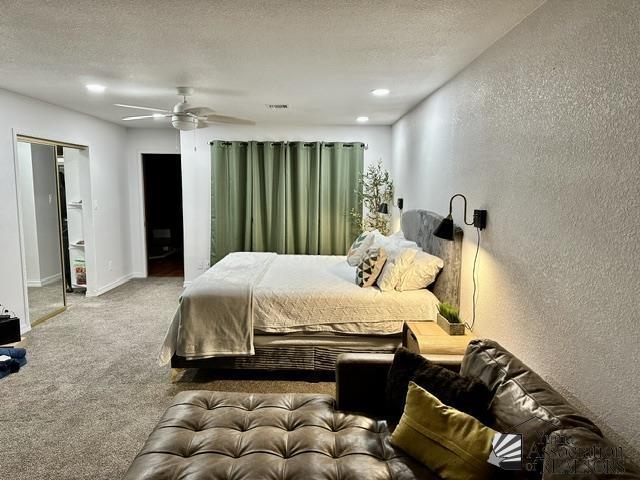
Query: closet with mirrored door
53,191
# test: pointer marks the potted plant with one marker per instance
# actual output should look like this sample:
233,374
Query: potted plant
449,319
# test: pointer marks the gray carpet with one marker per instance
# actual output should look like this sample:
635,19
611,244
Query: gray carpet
44,300
92,390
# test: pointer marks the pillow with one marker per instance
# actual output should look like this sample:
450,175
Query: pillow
392,244
449,442
422,273
370,266
359,247
466,394
394,268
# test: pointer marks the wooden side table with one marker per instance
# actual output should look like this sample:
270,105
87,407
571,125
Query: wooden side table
429,340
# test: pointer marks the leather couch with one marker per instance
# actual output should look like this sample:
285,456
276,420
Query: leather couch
237,436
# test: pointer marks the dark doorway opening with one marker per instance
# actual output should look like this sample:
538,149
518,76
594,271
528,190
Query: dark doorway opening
163,214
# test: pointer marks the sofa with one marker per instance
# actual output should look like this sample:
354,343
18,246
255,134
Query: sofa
225,436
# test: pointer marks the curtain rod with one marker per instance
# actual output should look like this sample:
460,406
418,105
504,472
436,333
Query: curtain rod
364,145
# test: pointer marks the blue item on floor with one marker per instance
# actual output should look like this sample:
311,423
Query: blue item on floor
14,352
18,359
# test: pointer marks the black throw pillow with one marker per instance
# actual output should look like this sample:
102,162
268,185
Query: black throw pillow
466,394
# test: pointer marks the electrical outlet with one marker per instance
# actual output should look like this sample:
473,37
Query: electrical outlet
110,265
200,266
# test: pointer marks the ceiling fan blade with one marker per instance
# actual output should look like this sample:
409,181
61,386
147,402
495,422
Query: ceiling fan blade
226,119
142,108
139,117
199,111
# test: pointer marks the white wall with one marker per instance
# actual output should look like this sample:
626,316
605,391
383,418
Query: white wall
139,141
109,239
196,171
543,130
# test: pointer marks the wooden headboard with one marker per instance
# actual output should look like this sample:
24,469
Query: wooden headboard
419,225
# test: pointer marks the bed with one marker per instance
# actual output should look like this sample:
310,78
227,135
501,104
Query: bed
298,312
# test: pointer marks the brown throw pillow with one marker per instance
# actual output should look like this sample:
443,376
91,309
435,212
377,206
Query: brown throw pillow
462,393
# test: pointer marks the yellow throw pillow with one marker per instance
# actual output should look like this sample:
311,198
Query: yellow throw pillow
449,442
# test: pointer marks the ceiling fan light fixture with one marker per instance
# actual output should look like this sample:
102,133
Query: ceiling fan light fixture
184,123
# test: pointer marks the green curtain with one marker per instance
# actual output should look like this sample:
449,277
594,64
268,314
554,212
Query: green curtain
303,194
283,197
231,199
341,164
269,227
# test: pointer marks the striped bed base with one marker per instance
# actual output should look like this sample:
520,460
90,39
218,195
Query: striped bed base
304,357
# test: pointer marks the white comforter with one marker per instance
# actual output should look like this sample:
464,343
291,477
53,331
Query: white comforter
273,293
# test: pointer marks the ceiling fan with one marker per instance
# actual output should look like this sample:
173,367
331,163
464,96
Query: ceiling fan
186,117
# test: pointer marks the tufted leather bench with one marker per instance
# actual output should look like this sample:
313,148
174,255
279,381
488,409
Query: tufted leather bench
236,436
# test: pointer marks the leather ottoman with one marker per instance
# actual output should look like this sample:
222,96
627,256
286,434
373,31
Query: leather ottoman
236,436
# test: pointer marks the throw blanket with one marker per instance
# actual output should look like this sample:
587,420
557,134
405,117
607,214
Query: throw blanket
215,315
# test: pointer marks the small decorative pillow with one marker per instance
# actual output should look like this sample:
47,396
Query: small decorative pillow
359,247
449,442
395,268
422,273
370,266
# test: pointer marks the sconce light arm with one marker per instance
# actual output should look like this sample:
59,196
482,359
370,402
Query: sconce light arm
465,207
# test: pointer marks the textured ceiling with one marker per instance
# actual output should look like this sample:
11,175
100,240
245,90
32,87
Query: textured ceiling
321,58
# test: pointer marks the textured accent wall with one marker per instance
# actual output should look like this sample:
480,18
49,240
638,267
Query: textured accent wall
543,130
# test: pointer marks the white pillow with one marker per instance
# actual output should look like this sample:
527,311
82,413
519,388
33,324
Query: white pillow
395,268
393,244
421,273
359,246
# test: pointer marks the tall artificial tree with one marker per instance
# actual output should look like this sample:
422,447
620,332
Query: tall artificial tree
374,188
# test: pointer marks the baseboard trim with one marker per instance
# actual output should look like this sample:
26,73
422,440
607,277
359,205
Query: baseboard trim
110,286
43,282
186,283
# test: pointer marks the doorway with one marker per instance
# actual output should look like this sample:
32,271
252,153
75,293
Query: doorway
50,194
162,177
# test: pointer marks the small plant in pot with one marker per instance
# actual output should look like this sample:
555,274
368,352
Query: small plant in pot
449,319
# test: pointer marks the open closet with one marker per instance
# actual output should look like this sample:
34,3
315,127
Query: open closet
53,189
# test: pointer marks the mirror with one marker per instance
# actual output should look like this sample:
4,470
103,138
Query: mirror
38,186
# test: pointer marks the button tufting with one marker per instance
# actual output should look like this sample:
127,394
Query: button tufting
264,450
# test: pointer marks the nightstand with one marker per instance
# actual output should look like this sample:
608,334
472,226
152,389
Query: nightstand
433,343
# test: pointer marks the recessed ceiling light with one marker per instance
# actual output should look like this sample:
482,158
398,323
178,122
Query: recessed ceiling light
362,119
380,92
95,88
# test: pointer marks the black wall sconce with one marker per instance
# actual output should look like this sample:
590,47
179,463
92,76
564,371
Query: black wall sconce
384,207
445,229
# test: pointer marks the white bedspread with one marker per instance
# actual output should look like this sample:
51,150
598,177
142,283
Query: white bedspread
318,293
273,293
215,314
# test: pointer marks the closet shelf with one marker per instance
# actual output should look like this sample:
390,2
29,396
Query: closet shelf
76,245
75,204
